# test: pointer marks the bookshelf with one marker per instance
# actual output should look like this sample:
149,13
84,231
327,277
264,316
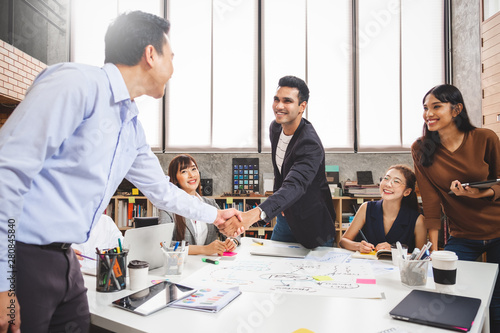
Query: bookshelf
260,229
344,206
123,208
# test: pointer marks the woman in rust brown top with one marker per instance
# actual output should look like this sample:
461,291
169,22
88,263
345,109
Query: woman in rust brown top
451,152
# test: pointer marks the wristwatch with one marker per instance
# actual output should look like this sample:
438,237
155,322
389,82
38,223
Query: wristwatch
262,214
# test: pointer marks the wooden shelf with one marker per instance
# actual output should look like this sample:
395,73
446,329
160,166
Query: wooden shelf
345,205
118,209
243,204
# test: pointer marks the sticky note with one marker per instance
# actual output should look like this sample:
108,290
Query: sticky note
302,330
135,191
131,200
261,232
360,200
322,278
229,254
366,281
229,200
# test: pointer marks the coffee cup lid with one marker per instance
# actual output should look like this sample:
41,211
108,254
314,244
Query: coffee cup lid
138,264
444,255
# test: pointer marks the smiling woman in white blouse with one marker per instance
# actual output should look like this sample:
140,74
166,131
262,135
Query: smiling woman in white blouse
203,238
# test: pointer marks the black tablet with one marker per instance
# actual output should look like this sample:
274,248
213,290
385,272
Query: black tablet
154,298
483,184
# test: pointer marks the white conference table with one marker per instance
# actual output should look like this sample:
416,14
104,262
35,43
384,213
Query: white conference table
263,312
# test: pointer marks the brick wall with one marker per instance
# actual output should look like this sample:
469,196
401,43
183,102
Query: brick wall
17,72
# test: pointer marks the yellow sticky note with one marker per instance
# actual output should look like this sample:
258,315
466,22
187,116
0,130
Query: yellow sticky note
302,330
229,200
135,191
131,200
360,200
322,278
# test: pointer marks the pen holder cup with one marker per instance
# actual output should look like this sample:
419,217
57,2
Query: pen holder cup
174,261
413,272
111,271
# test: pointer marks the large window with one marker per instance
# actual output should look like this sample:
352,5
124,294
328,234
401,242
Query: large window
367,63
90,20
212,97
366,87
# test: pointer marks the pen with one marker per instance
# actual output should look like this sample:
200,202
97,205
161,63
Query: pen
183,245
210,261
81,255
176,246
120,244
364,238
257,241
400,250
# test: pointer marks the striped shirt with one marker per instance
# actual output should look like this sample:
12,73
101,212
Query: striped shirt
281,149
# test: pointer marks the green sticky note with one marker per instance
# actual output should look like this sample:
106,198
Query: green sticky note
322,278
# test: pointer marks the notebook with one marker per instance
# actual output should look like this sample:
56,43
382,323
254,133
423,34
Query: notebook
452,312
144,243
275,251
208,299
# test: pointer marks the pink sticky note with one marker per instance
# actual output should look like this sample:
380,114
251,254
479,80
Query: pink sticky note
366,281
229,254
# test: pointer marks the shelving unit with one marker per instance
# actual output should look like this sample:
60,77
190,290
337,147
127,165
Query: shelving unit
118,209
124,208
244,204
345,205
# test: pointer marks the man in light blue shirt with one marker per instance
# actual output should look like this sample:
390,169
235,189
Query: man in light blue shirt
63,152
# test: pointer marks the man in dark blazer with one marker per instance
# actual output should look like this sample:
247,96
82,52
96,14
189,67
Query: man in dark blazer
302,200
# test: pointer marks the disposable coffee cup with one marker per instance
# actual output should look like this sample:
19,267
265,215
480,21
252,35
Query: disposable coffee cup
444,268
395,253
138,274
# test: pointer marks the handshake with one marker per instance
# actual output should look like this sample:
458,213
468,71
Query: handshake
232,222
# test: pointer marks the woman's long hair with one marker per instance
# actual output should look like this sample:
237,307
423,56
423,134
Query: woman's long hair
177,164
430,140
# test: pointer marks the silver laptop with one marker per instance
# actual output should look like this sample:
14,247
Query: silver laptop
144,243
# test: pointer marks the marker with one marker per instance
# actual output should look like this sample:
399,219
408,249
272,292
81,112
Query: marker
257,241
120,244
176,246
210,261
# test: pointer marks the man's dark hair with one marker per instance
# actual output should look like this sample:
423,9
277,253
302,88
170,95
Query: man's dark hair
295,82
130,33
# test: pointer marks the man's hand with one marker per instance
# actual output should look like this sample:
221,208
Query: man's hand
233,227
226,214
9,313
